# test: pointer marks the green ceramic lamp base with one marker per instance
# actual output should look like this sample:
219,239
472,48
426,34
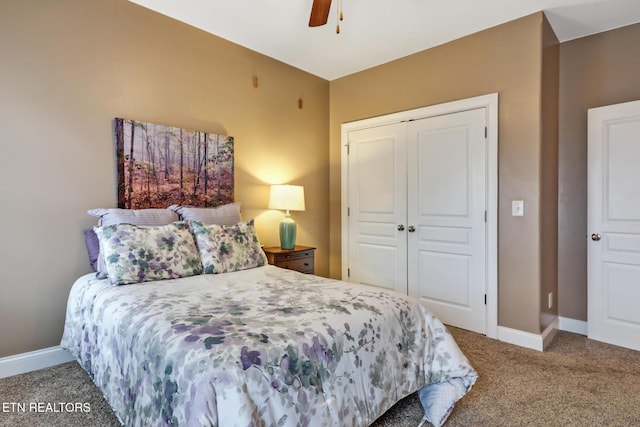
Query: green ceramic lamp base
287,232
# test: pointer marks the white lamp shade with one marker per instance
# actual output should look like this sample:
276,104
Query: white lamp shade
289,197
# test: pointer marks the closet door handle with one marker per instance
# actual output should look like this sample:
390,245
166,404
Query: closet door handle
400,227
411,229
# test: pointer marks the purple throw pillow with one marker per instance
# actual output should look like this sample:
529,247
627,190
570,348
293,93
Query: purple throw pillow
93,247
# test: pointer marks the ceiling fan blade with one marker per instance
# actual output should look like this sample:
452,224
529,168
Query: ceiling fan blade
319,12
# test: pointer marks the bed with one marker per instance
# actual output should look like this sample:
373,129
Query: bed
260,346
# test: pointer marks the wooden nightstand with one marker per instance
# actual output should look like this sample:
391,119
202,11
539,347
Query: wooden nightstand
299,258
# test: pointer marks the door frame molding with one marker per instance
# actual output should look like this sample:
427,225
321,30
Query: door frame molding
490,103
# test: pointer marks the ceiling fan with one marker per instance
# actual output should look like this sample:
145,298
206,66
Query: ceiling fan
320,13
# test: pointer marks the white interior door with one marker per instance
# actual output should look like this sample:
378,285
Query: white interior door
378,207
446,216
613,271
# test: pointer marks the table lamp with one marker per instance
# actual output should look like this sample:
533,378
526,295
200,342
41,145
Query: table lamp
287,197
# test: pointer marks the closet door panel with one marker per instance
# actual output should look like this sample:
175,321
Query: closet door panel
446,207
377,206
443,184
442,267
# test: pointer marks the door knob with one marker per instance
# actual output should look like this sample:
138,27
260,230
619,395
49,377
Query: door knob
411,229
595,237
400,227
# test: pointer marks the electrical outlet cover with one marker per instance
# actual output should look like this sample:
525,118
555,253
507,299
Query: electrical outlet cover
517,208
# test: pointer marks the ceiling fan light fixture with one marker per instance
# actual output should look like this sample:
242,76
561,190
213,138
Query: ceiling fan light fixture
320,13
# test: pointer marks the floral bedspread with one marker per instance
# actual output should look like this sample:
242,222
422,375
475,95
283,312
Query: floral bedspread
261,347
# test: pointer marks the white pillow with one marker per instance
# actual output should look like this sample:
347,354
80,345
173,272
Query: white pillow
140,217
228,214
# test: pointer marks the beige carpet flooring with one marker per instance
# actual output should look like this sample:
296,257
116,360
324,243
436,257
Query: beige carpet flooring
575,382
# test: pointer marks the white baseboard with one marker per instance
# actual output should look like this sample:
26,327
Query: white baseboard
573,325
540,342
520,338
550,332
33,360
528,340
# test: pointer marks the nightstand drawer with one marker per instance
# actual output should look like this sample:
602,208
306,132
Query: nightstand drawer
301,258
303,265
290,256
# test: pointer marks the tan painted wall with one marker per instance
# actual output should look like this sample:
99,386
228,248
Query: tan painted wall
506,59
68,68
549,177
599,70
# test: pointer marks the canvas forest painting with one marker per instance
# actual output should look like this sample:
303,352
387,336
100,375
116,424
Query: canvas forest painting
162,165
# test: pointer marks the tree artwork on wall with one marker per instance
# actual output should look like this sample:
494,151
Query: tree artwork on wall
158,166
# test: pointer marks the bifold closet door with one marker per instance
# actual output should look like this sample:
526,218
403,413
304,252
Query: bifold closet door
446,189
378,207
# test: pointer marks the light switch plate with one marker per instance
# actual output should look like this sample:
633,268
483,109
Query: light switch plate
517,208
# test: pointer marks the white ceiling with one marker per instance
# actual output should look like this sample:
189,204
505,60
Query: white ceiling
377,31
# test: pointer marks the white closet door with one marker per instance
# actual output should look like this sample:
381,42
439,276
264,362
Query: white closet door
446,217
613,251
378,207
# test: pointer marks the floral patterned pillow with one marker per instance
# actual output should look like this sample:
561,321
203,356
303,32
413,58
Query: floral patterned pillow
225,248
136,254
